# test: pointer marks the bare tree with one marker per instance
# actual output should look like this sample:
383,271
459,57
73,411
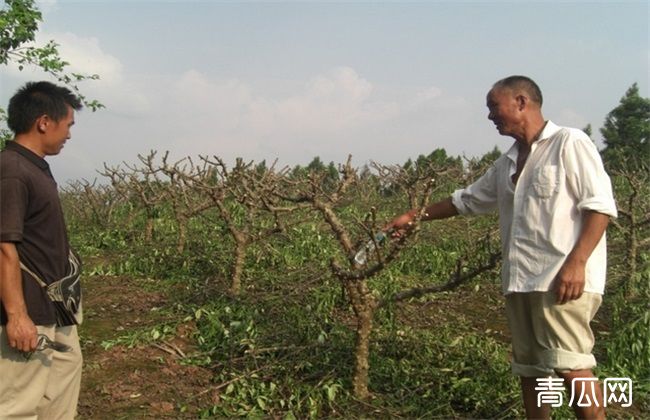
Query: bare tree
242,197
415,179
142,184
353,275
90,202
185,200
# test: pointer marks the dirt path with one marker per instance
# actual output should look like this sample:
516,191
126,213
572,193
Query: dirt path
143,381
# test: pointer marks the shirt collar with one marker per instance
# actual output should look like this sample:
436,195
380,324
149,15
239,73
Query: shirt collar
549,130
29,155
513,152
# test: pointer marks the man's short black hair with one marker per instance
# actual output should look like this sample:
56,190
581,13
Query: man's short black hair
519,83
36,99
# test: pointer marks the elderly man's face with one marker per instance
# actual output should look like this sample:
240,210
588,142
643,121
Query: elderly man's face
505,111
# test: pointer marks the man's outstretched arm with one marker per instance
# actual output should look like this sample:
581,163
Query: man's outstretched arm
439,210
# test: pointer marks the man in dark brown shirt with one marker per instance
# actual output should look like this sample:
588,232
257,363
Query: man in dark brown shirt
33,233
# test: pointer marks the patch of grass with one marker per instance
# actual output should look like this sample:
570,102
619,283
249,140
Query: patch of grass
444,373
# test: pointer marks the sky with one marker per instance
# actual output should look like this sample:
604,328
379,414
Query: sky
292,80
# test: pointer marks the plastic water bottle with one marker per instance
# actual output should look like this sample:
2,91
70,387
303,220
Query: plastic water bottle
361,257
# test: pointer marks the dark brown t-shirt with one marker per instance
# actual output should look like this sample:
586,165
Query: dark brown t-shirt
32,218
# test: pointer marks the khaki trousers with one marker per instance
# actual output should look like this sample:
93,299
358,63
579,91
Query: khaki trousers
47,385
548,337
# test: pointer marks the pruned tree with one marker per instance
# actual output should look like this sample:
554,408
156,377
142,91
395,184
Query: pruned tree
242,195
353,273
92,203
310,190
180,193
141,184
414,180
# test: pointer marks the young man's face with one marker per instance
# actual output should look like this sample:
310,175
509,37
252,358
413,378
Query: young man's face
57,133
505,111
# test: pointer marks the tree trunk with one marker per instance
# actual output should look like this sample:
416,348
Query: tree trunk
148,229
182,235
364,304
238,263
632,251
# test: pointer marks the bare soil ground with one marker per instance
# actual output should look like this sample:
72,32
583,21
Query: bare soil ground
145,381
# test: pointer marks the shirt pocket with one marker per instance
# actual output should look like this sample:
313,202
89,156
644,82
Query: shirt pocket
546,180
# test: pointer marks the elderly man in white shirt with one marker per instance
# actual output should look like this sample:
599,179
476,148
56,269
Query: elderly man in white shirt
554,202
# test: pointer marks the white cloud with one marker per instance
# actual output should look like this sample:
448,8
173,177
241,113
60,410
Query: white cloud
342,83
86,56
331,114
571,118
429,94
326,103
339,99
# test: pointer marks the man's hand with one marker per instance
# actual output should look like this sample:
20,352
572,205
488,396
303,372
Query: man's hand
22,333
401,224
440,210
570,281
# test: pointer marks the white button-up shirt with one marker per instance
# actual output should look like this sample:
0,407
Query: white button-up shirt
540,217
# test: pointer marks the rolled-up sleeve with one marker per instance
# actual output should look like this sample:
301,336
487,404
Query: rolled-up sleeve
478,198
586,176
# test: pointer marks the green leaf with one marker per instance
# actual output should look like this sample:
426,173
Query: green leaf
331,392
230,388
